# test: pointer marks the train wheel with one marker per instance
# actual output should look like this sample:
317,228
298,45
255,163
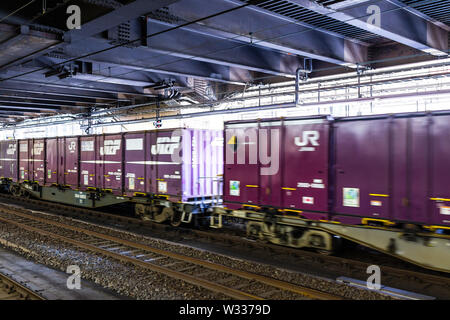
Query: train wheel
175,221
139,210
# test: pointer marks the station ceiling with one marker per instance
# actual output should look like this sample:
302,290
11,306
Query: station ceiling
135,52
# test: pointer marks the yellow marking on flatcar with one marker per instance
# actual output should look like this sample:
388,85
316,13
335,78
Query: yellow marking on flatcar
439,199
158,179
379,195
251,186
330,221
434,228
110,190
250,205
290,210
163,196
141,178
139,193
92,188
106,175
385,222
286,188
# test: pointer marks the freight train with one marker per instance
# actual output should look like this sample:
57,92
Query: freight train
382,181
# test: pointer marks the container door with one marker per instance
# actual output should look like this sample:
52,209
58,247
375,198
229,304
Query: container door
305,167
88,162
52,161
439,196
38,160
23,160
417,184
241,174
112,156
71,162
135,163
10,160
165,171
61,161
99,163
210,160
362,169
270,148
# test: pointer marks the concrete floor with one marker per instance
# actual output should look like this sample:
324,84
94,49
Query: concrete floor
50,283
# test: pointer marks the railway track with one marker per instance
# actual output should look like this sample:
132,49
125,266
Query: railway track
350,267
235,284
13,290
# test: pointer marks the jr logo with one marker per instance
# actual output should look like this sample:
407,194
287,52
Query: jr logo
309,141
72,146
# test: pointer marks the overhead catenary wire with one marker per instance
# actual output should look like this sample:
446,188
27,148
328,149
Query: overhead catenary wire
192,56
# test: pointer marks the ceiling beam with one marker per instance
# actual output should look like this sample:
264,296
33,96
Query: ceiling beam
223,48
142,59
262,28
397,23
118,16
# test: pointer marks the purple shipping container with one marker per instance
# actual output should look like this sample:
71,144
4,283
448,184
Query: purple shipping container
393,169
8,151
37,161
52,159
182,164
296,177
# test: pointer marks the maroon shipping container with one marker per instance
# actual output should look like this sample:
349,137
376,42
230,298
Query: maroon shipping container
24,160
278,163
52,160
8,161
184,164
393,168
37,160
88,156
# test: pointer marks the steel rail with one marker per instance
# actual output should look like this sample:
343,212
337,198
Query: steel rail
80,212
348,263
233,293
18,288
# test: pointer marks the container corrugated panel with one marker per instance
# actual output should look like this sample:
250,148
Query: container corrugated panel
136,146
68,161
164,172
88,162
393,169
110,170
38,160
23,160
280,163
52,158
3,159
202,169
9,159
362,169
439,157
